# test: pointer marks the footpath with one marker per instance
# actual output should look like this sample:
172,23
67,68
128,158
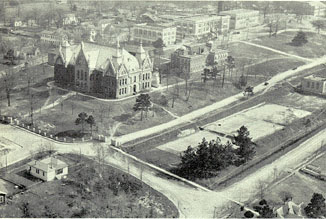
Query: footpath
259,89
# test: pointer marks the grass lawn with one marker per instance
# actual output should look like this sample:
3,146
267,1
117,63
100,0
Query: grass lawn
313,49
112,118
245,54
301,186
265,145
321,162
203,94
90,190
20,97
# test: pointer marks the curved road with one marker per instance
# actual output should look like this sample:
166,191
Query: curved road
191,202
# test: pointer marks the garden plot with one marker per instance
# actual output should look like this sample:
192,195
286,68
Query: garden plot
181,144
261,120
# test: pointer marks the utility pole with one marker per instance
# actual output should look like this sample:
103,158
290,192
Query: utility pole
32,109
223,76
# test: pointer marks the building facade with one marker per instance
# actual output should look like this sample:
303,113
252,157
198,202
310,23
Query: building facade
150,33
52,37
70,19
314,84
48,169
185,62
103,71
198,26
242,18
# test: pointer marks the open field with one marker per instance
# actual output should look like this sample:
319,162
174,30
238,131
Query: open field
313,49
247,54
301,186
321,162
288,117
112,118
84,194
261,120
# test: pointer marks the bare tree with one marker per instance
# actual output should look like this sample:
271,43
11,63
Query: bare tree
7,82
261,187
100,155
189,91
175,92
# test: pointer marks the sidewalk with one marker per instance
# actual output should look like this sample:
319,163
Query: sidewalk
197,113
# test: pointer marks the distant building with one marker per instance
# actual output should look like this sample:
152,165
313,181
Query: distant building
3,197
186,61
29,52
318,9
31,22
199,26
48,169
147,18
289,210
16,22
314,84
242,18
69,19
102,24
150,33
53,37
105,71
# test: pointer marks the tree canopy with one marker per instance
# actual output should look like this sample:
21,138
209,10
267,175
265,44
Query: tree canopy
143,102
319,24
246,149
300,39
206,159
158,44
317,207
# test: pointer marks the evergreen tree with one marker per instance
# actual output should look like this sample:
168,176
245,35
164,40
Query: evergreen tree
317,207
299,39
246,149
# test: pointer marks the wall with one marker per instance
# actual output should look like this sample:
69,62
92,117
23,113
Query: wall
313,86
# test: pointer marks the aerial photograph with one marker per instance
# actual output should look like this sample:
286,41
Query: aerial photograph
162,109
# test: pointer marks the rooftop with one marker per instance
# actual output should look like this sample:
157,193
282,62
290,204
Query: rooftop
317,77
48,164
237,11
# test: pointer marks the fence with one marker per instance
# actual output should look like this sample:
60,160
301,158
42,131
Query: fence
32,128
281,147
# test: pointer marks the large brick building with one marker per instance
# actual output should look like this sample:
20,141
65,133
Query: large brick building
187,61
242,18
101,70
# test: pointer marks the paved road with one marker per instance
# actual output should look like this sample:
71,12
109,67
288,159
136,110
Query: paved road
218,105
191,202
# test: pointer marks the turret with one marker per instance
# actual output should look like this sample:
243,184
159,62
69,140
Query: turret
140,54
66,51
117,57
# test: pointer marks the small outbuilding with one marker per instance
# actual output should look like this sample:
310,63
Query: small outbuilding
48,169
2,197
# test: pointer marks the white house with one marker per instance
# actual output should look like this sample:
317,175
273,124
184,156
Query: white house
70,19
314,84
48,169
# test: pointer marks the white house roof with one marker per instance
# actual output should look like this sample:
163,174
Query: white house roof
317,4
48,164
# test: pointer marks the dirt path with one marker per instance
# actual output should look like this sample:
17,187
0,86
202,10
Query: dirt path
191,202
277,51
259,89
